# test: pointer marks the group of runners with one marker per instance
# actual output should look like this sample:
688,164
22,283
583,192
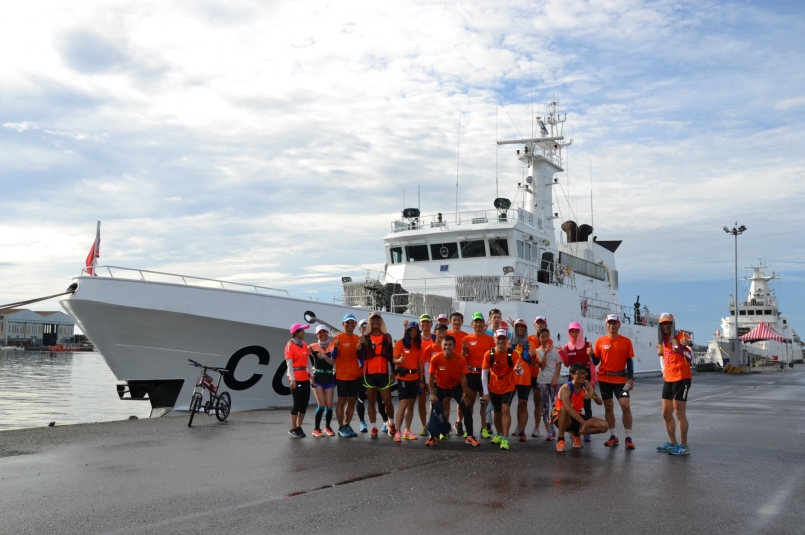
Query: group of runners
440,363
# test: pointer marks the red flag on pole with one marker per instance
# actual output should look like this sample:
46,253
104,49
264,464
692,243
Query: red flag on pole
94,252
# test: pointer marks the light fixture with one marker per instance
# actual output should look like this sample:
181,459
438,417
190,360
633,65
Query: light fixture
508,269
345,280
410,213
502,204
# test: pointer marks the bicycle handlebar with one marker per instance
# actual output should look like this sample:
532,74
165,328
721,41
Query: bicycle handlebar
213,368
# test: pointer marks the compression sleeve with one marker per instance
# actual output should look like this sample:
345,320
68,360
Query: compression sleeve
596,360
485,380
629,369
289,371
334,353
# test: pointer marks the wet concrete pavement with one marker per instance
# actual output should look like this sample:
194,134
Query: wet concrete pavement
745,475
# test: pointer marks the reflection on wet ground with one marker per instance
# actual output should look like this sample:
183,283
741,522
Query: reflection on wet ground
37,388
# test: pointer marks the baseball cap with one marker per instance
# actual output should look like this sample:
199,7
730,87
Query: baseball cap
440,327
412,325
501,332
504,326
478,316
520,321
613,317
442,317
321,328
363,322
299,327
425,317
375,314
540,318
350,317
666,317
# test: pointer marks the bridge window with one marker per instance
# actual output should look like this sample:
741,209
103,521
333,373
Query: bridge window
767,312
751,312
499,247
396,255
443,250
742,313
417,253
524,250
473,249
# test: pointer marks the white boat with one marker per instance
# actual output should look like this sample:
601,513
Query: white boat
777,342
11,348
147,324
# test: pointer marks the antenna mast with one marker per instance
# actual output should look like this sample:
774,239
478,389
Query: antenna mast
497,192
592,211
458,156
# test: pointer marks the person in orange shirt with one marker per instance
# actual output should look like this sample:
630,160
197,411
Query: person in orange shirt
613,354
474,347
456,322
428,338
569,404
674,350
408,359
500,366
377,353
448,379
346,346
297,356
519,342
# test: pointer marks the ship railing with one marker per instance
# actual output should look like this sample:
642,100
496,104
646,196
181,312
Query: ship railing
367,301
188,280
478,288
599,309
473,217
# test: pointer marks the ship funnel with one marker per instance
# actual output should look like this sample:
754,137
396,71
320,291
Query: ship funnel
571,230
584,232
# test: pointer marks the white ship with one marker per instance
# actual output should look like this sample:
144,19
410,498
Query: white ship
764,335
147,324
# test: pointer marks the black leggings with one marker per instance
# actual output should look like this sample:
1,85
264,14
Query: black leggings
301,397
361,404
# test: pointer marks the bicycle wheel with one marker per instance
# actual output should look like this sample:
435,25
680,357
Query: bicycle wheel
223,406
195,404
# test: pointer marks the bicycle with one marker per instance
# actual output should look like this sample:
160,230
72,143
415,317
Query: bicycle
220,403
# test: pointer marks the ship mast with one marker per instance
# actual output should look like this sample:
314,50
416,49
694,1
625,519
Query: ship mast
543,157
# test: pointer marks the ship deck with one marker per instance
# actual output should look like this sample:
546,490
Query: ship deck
745,475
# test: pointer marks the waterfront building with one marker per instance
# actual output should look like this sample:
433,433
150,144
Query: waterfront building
20,326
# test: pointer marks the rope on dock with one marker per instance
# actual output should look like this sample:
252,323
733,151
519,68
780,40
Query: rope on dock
70,290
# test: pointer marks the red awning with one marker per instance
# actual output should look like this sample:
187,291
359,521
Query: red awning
764,331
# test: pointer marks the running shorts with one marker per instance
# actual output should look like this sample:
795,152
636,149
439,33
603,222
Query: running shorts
454,393
474,382
523,391
677,390
347,388
407,389
326,383
381,381
534,383
575,426
499,399
612,390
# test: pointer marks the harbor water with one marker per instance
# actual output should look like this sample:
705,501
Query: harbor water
37,388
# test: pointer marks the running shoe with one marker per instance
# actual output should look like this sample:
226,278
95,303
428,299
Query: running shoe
424,432
485,434
397,437
471,441
667,447
459,428
560,445
300,432
393,430
551,435
497,439
294,433
385,428
504,443
535,432
364,427
352,432
317,433
408,435
329,432
576,441
588,438
516,432
679,449
442,437
342,432
522,437
629,443
374,433
613,441
431,442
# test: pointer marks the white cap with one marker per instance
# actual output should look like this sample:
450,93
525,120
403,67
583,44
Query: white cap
613,317
321,328
501,332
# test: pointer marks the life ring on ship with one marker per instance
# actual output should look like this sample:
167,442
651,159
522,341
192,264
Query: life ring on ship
584,307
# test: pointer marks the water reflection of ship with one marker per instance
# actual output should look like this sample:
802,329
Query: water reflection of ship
764,335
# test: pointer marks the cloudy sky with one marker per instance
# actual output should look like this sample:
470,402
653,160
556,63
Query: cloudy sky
271,142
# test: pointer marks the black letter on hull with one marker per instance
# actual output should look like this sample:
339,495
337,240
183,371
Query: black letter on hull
279,386
229,378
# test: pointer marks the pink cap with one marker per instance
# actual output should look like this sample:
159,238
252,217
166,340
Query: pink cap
574,325
504,325
299,326
501,332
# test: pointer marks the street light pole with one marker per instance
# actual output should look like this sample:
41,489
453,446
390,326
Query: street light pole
736,231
